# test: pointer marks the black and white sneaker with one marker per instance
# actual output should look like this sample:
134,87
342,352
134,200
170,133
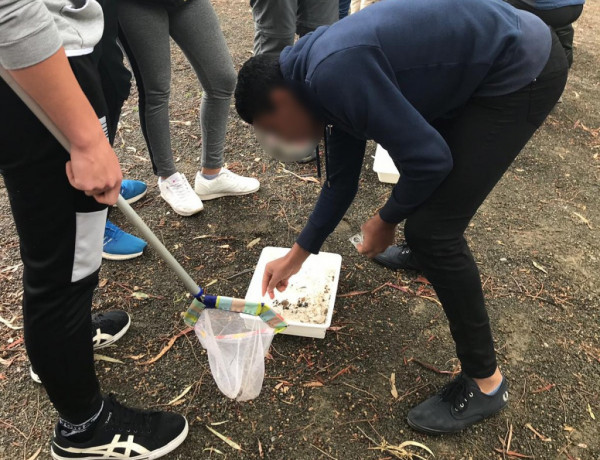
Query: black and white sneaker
107,328
458,405
124,433
398,257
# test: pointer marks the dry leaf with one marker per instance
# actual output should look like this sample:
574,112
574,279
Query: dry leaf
102,283
589,409
136,357
312,384
98,357
253,243
233,445
213,449
583,219
210,284
539,267
537,433
394,390
35,454
140,295
183,393
9,324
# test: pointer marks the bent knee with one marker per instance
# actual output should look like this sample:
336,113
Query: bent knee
425,235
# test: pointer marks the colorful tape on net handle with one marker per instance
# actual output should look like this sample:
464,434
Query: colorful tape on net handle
266,313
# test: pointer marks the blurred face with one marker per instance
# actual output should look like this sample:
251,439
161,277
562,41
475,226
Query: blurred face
289,121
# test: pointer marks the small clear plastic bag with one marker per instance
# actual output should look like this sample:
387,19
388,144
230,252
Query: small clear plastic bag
236,346
356,239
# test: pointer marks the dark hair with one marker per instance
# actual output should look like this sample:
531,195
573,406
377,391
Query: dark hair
256,79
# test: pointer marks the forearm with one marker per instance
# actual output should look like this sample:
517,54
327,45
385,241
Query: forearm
327,214
52,84
345,156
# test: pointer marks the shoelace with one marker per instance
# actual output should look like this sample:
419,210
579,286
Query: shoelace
457,392
129,420
181,188
404,249
227,172
111,232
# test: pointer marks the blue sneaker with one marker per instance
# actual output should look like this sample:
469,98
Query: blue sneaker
119,245
133,190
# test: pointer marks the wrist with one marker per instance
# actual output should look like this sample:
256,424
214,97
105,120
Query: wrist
297,255
87,141
384,222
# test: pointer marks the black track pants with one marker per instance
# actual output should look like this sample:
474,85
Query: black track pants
484,138
60,231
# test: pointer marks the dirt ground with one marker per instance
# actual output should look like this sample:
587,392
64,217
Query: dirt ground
536,239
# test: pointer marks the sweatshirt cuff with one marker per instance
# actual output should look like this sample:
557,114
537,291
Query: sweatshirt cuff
390,212
31,50
311,238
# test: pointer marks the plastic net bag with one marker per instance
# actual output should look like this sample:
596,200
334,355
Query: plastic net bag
236,346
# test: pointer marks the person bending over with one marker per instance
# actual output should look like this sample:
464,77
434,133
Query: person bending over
453,91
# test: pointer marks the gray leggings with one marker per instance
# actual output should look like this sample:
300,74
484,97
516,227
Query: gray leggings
146,28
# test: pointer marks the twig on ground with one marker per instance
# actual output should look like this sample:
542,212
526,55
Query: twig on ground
431,367
323,452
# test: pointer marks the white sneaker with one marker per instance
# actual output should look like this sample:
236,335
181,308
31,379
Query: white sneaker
225,184
178,192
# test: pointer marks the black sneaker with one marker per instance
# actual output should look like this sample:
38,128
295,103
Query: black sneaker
107,328
458,405
124,433
397,257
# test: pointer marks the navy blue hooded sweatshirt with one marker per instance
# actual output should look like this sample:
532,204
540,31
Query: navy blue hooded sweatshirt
388,71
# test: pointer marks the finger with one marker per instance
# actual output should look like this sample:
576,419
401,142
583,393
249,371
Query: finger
272,285
103,198
282,285
265,282
359,248
112,195
70,175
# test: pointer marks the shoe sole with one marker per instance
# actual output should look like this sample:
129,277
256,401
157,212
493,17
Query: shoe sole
221,195
182,213
136,198
116,337
166,449
422,429
34,376
108,256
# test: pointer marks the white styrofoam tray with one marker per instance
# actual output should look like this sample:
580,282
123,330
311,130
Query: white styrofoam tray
384,166
322,262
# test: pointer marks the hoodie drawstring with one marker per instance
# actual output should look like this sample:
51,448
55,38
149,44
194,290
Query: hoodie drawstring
326,144
326,152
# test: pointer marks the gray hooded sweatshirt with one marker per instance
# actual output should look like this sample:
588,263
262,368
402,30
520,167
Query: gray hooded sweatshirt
33,30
